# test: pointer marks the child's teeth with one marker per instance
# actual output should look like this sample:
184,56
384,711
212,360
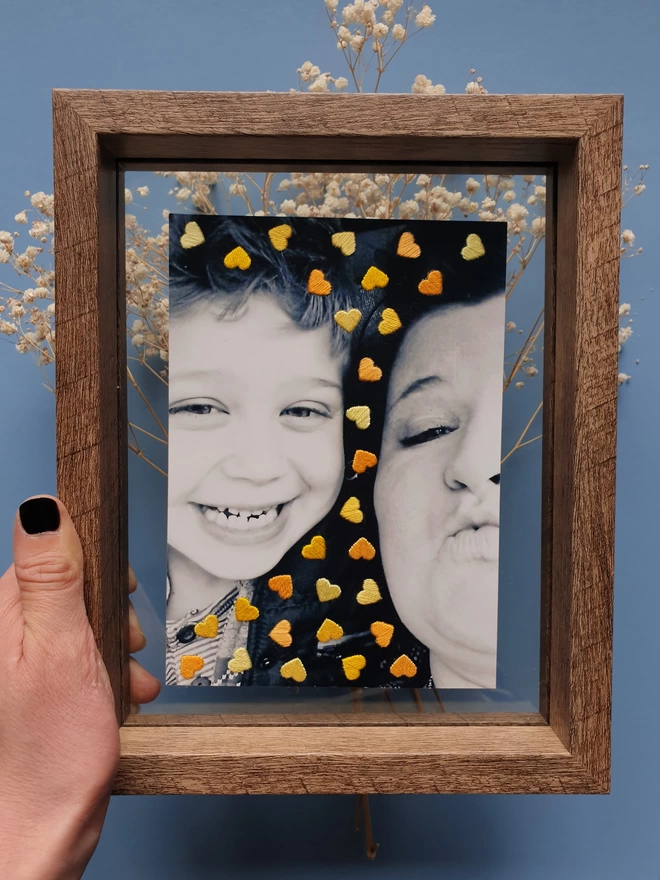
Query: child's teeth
234,512
212,514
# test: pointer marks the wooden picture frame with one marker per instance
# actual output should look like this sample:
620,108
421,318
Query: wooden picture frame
565,748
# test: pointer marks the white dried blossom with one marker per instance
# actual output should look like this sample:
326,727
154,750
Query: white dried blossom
624,309
340,83
399,32
43,203
138,340
408,209
21,217
424,86
505,183
7,328
624,335
516,213
539,192
639,189
331,5
475,88
320,84
143,191
425,18
488,204
288,206
422,180
237,189
183,194
394,5
128,196
4,256
531,371
304,210
520,384
509,195
628,236
41,292
472,185
380,30
531,200
510,326
538,227
623,377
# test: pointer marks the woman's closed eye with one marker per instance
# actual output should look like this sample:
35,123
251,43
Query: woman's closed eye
415,438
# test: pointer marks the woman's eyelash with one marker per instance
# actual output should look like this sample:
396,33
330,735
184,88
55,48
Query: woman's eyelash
195,409
427,435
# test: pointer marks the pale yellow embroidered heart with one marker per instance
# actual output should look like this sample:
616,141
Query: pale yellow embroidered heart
294,669
363,460
192,235
362,549
327,591
382,632
317,283
348,321
408,247
315,549
432,284
361,415
240,662
244,611
279,236
345,241
207,628
329,631
368,371
403,666
353,666
281,633
374,278
351,510
369,592
389,322
282,584
238,259
190,664
474,248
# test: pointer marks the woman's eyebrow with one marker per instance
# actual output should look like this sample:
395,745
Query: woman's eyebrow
417,385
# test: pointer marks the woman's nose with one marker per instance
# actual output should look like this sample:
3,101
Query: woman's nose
475,463
255,456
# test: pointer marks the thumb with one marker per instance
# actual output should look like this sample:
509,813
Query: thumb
48,566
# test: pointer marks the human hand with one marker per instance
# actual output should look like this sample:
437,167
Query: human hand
59,739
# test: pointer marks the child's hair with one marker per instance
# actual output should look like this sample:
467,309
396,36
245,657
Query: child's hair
198,274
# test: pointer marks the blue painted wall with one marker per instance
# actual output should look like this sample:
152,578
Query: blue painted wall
533,46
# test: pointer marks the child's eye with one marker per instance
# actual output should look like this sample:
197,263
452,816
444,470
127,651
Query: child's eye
196,409
303,412
427,435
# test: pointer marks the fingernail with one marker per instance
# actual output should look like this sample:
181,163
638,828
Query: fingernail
39,515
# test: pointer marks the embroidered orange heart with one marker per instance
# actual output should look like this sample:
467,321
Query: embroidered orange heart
317,283
345,241
408,247
389,322
327,591
363,460
192,236
281,633
207,628
348,321
244,611
190,665
351,510
382,632
368,371
329,631
362,549
353,666
432,284
403,666
294,669
474,248
374,278
240,662
361,415
315,549
282,584
369,593
238,259
279,236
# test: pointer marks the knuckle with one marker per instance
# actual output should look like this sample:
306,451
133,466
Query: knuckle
48,570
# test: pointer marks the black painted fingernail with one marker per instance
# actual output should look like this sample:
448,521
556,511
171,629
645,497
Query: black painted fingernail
39,515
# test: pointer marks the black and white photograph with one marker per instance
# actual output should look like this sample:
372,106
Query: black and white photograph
335,443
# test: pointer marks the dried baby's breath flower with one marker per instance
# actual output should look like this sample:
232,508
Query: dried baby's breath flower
510,326
472,185
128,196
424,86
425,18
21,217
538,226
340,83
143,191
628,236
399,32
624,309
623,377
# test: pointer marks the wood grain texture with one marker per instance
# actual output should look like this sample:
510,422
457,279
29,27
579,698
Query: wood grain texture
332,719
579,138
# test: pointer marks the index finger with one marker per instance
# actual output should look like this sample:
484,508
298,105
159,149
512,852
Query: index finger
132,580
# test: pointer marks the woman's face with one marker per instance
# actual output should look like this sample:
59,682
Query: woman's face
437,487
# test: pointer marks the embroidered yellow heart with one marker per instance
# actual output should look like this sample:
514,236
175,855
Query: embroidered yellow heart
317,283
474,248
279,236
329,630
294,669
408,247
389,322
240,662
207,628
403,666
238,259
327,591
363,460
345,241
190,664
315,549
374,278
361,415
362,549
192,236
368,371
348,321
369,592
351,510
282,584
281,633
432,284
244,611
382,632
353,666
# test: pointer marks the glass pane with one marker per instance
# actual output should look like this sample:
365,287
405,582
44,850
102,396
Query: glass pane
518,201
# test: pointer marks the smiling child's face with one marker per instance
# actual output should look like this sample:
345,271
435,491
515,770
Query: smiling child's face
255,436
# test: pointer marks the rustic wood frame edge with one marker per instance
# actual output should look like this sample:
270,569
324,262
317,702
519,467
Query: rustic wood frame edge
567,747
